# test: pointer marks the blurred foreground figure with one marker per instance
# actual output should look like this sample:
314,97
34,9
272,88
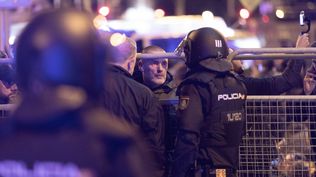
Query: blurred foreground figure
56,131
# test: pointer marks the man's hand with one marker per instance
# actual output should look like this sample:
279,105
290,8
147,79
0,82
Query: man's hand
309,79
302,41
309,83
4,91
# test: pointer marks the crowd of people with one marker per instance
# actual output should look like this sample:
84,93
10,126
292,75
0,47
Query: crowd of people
88,107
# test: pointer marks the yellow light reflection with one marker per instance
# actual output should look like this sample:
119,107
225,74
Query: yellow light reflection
117,39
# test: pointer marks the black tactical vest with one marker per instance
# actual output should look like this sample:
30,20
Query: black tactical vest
223,99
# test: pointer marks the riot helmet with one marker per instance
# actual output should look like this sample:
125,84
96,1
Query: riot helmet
206,47
61,47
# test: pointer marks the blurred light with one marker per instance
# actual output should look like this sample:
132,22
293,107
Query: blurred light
117,39
242,21
251,42
311,6
139,13
266,8
208,16
41,39
104,10
101,23
11,40
244,13
75,24
279,13
265,19
228,32
159,13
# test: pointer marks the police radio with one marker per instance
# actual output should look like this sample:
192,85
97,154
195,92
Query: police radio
304,21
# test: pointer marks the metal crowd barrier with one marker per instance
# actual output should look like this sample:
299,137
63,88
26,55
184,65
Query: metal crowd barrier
5,110
250,54
238,54
6,60
280,136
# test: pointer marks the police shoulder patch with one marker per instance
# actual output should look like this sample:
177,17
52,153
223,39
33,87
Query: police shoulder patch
183,102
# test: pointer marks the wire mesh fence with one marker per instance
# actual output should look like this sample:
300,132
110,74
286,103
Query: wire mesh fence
280,137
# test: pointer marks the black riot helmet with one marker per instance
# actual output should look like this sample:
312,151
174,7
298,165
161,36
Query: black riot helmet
61,47
206,47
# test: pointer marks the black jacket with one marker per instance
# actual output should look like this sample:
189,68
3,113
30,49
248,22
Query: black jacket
68,143
136,104
275,85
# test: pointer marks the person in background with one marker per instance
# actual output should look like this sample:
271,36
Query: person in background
8,87
289,79
132,101
309,78
59,129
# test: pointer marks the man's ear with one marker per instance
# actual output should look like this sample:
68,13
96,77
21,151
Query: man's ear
140,65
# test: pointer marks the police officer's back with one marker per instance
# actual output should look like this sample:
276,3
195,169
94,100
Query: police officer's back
210,110
55,130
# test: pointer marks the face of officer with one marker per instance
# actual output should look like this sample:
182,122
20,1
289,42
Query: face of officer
154,71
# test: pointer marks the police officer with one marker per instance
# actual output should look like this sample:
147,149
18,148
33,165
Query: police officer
210,110
55,130
205,49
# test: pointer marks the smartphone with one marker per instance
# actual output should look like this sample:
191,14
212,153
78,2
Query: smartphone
302,16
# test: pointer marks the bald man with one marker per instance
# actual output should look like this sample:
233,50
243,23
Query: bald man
134,102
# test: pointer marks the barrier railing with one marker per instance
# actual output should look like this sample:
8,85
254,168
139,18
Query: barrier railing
280,136
5,110
250,54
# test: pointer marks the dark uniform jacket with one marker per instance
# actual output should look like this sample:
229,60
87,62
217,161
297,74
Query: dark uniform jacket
210,120
136,104
68,143
275,85
167,90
